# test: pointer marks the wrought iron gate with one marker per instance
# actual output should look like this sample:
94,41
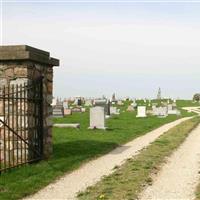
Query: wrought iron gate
21,124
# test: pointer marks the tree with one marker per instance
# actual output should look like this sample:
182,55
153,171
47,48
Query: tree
196,97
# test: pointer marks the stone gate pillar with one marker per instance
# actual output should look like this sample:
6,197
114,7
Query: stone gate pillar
22,64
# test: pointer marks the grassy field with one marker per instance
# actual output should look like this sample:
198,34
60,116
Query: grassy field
198,191
73,147
180,103
129,179
186,103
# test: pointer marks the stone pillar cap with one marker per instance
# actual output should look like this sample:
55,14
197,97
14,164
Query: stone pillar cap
25,52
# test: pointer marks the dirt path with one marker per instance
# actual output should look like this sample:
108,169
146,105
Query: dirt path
179,177
193,109
87,175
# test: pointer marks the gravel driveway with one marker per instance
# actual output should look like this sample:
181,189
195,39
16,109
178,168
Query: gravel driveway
87,175
179,177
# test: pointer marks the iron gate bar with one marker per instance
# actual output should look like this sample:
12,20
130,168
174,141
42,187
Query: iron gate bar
22,124
18,136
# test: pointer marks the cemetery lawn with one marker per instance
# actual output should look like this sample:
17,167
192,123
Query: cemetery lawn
186,103
198,191
74,147
129,180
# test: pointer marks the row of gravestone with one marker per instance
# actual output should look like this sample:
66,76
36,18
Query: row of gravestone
62,109
162,111
80,101
97,114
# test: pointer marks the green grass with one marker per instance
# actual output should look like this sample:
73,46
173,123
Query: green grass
197,192
72,148
186,103
129,179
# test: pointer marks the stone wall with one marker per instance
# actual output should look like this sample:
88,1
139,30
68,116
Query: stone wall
23,64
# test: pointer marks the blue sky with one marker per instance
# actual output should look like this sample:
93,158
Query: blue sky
127,48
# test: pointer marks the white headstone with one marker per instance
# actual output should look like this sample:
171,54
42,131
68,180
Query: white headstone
120,103
83,109
114,110
174,112
141,111
169,107
97,118
65,105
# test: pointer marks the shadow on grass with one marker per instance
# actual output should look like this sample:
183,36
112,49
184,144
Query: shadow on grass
70,155
81,148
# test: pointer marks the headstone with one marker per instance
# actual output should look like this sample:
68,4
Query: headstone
169,107
58,111
72,125
174,112
114,110
88,102
65,105
79,102
83,109
174,105
67,111
130,108
103,103
107,108
164,104
97,118
75,102
134,104
76,109
141,111
120,103
160,111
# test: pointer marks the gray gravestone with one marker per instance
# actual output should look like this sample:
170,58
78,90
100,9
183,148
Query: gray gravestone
97,118
161,111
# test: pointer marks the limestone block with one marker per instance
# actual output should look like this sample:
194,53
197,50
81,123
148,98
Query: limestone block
20,72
